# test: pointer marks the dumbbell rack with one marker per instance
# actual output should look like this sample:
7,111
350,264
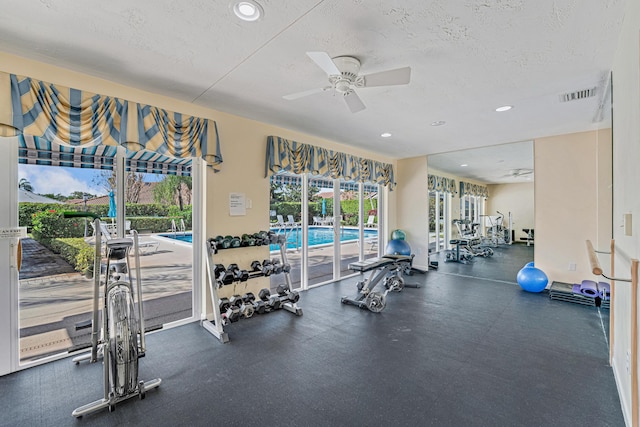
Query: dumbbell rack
216,327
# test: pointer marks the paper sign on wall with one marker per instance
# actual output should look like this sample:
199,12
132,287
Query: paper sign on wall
237,206
13,232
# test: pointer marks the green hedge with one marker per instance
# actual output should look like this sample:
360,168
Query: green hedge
45,221
76,252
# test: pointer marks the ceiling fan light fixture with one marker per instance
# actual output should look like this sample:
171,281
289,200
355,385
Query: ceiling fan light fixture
504,108
248,10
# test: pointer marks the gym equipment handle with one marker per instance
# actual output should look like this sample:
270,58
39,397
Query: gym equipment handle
72,214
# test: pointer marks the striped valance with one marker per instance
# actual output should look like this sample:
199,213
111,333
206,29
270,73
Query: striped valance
290,179
79,118
467,188
298,158
441,184
39,151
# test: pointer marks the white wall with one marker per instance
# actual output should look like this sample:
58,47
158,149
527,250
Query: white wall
517,199
626,190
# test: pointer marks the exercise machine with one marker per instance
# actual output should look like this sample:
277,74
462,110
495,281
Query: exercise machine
468,245
497,233
122,342
389,270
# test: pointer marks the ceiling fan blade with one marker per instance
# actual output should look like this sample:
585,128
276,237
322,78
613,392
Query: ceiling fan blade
354,102
325,62
399,76
297,95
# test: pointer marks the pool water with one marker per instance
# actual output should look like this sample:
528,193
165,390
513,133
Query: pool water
321,236
317,236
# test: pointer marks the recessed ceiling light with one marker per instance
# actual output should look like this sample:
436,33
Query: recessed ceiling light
504,108
464,165
385,135
438,123
248,10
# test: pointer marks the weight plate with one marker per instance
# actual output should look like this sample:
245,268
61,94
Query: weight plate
375,302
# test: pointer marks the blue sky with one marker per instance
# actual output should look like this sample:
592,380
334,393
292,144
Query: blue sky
60,180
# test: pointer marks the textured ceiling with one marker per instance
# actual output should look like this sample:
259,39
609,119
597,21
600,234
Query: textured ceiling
467,58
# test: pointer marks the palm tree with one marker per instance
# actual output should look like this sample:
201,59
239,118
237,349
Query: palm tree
25,185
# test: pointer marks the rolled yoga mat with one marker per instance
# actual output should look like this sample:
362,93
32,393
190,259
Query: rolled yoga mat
589,288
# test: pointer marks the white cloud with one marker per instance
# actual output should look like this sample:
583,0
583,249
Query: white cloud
59,180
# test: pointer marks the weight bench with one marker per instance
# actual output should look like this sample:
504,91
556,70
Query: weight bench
388,269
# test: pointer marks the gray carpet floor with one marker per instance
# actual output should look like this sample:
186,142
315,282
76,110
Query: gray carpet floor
459,351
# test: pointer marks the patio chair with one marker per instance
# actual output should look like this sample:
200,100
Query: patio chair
144,246
371,221
292,221
281,222
317,220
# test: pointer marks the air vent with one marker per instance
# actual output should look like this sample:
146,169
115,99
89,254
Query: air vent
579,94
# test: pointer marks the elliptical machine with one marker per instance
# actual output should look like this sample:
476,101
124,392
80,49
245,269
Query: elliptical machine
122,342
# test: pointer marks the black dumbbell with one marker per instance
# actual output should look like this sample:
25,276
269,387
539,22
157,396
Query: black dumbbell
259,306
226,277
282,290
264,294
274,302
219,269
233,269
286,268
293,296
277,267
256,266
248,297
241,275
267,267
236,242
233,313
223,304
235,300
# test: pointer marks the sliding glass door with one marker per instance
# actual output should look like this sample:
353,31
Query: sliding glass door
56,287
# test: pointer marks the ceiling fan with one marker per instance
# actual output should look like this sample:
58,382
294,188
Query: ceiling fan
516,173
344,78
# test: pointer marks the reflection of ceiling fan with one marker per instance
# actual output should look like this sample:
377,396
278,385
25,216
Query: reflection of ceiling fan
515,173
344,78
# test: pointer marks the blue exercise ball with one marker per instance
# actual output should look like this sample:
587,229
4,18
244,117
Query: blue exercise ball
397,247
530,264
532,279
398,235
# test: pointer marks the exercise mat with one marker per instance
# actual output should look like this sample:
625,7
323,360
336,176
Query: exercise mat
589,288
560,291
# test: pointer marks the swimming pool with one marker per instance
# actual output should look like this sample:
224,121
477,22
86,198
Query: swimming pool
317,236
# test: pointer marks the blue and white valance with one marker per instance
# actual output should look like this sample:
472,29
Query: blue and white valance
297,158
467,188
77,118
441,184
39,151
